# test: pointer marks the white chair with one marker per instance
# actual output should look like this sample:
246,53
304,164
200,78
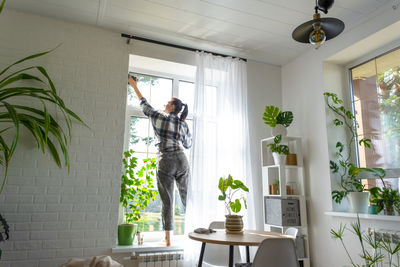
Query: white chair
292,231
277,252
218,255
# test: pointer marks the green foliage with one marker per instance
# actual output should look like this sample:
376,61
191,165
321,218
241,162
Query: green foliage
373,256
277,148
228,187
384,197
273,116
349,173
137,187
46,129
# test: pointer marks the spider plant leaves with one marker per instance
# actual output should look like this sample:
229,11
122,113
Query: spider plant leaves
2,5
26,58
21,76
45,128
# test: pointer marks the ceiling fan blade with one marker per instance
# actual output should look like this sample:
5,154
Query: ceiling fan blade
331,26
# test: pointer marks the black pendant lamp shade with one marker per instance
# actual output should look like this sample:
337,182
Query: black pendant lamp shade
332,27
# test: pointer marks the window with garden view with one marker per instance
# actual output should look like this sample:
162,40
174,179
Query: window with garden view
376,103
140,137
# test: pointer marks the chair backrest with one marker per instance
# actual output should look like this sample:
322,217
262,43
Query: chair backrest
292,231
217,225
218,255
276,252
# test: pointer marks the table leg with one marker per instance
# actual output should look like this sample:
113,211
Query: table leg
247,254
203,247
230,256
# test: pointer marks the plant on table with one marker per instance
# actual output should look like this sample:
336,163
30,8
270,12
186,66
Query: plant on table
21,83
349,173
229,187
137,187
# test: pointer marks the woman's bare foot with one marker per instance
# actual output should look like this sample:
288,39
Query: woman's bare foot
167,240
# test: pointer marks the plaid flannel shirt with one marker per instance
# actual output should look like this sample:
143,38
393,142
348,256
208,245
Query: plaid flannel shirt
171,132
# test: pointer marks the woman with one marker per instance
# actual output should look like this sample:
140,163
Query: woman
172,133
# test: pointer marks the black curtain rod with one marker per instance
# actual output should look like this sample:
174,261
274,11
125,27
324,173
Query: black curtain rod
175,46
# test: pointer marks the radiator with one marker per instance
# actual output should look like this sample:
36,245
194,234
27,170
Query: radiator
159,259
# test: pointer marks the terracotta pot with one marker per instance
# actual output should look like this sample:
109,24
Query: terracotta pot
233,224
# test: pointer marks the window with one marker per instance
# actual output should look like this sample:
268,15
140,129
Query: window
157,88
376,103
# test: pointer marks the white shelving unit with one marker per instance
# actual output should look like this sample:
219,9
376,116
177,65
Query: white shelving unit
290,181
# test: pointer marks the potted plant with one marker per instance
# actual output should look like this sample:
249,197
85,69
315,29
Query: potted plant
350,184
279,152
137,190
229,187
278,120
385,199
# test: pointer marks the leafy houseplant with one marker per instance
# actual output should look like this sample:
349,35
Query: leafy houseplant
385,199
372,257
229,187
36,88
278,120
348,171
137,190
279,152
273,116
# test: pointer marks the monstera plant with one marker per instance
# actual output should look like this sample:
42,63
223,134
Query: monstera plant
20,84
274,116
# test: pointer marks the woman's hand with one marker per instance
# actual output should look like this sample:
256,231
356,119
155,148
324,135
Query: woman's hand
132,82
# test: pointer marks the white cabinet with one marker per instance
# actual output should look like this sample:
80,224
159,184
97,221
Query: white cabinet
284,202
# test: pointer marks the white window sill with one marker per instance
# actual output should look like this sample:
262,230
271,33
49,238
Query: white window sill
147,247
364,216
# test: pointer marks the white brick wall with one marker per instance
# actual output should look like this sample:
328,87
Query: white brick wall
55,215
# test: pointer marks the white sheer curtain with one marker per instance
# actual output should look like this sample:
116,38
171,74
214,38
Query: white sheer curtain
220,141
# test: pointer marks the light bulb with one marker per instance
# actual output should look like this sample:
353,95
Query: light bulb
317,36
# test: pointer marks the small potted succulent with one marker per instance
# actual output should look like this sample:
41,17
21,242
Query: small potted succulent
137,190
278,120
279,152
229,187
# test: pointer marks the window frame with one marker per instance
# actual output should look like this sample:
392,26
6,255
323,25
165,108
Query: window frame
137,112
391,173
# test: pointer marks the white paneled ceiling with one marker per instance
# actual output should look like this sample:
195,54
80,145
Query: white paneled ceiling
255,29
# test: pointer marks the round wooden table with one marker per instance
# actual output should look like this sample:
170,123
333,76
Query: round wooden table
220,237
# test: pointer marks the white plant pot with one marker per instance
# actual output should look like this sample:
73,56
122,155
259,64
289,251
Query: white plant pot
279,159
279,130
358,202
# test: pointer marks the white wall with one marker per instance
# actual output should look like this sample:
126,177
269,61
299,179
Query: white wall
302,87
55,215
264,88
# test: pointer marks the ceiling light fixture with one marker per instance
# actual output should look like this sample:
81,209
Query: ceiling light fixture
319,30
